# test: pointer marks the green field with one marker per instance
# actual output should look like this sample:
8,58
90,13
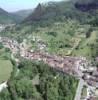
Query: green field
87,47
5,70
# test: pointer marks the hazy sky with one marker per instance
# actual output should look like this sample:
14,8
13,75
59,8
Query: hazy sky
14,5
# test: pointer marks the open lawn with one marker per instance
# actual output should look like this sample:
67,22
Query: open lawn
5,70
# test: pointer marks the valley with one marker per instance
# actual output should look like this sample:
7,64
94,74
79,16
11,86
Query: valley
76,66
50,52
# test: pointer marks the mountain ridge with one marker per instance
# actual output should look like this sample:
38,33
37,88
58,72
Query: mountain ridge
5,17
60,11
14,17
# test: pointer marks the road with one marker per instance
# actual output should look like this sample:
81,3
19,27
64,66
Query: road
79,90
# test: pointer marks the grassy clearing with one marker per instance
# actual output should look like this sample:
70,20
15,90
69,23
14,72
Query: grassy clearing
85,46
5,70
6,66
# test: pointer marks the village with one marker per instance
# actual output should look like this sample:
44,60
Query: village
3,26
79,67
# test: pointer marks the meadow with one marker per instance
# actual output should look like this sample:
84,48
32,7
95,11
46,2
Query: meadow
5,70
6,66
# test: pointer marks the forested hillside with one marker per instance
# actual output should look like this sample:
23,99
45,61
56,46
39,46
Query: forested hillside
37,81
19,16
61,11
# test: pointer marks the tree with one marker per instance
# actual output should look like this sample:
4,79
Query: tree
5,95
1,45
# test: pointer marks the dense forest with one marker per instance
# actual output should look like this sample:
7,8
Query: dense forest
37,81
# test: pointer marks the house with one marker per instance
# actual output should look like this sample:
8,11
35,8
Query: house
95,73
